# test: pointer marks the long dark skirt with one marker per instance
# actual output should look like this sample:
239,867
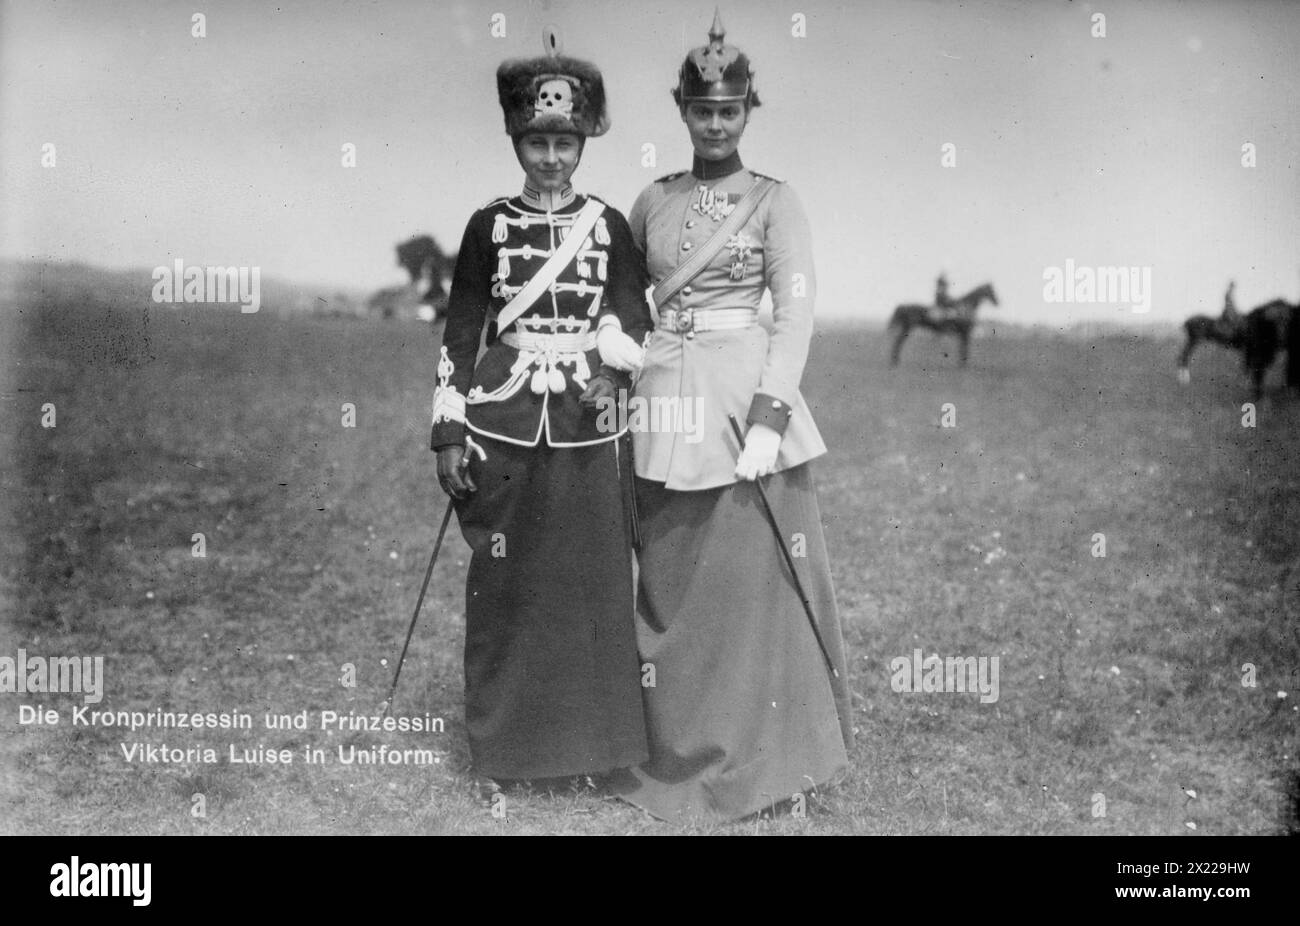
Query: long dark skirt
743,713
552,680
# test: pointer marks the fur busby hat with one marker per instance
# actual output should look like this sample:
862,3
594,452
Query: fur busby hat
552,94
716,72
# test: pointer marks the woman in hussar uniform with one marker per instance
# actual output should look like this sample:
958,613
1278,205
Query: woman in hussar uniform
743,712
552,680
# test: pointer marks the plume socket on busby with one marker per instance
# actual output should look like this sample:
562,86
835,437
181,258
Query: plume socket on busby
552,94
716,72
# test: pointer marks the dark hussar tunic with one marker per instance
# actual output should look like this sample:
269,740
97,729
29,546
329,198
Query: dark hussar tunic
552,680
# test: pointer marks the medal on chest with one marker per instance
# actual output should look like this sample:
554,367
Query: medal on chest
741,247
716,206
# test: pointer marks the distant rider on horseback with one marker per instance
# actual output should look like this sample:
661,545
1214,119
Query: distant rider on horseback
1230,313
943,305
945,316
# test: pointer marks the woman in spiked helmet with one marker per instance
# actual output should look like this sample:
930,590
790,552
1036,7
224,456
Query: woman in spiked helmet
552,680
750,705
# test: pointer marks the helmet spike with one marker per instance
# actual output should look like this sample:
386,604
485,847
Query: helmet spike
716,71
716,31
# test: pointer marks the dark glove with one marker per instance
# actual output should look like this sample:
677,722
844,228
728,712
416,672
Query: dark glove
453,472
599,387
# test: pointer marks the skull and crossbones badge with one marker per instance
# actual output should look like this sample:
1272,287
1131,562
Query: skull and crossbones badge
741,248
554,98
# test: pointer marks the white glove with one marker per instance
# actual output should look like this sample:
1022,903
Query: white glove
759,456
617,349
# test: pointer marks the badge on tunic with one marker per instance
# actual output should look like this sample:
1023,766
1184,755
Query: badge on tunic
715,205
741,248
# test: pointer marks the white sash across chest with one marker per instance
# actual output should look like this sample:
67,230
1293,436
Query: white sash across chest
558,260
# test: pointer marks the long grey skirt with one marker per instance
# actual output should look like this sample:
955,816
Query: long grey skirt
742,713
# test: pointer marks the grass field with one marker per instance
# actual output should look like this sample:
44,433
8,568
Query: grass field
1121,682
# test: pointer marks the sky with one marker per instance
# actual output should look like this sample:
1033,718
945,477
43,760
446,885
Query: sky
1122,149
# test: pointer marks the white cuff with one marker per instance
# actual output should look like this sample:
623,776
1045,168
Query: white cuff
448,405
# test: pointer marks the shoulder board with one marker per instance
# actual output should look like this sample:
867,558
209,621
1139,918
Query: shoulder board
599,199
766,176
494,201
673,176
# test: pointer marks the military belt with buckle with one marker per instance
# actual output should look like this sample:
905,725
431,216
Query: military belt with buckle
563,343
689,321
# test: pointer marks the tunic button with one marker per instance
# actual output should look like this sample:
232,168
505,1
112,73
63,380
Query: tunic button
690,224
686,290
686,245
776,404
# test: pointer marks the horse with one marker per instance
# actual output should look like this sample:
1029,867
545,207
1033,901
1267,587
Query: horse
1228,330
958,320
1270,329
